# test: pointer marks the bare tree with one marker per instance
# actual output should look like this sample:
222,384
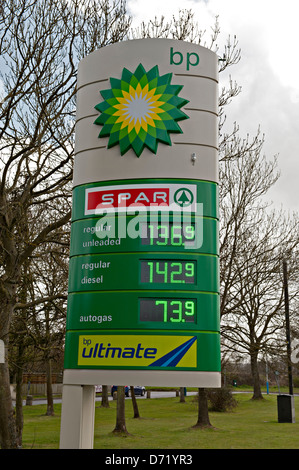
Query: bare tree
255,323
41,42
252,241
38,325
185,27
246,176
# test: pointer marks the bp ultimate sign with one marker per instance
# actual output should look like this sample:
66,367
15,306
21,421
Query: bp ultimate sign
143,304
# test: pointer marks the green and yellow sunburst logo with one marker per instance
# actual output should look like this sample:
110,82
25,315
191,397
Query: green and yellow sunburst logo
140,110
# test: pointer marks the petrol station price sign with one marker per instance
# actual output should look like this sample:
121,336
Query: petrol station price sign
150,276
144,256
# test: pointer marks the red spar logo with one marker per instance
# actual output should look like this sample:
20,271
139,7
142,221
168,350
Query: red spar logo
128,197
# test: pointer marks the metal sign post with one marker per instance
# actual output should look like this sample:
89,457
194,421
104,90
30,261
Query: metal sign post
143,305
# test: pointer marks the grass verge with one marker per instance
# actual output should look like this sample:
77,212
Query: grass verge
165,423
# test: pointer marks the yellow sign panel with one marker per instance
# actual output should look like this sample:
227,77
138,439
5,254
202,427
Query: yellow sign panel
137,351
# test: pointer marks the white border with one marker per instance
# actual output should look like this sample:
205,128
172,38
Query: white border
201,379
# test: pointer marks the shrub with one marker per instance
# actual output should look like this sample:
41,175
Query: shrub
221,399
296,382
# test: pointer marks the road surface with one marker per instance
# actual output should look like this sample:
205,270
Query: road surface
154,394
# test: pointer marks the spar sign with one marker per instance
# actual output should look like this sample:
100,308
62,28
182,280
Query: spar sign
152,197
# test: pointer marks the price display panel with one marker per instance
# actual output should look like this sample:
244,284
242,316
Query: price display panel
95,236
168,234
144,309
144,289
137,271
177,272
172,311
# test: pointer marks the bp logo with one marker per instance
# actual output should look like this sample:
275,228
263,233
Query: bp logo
140,110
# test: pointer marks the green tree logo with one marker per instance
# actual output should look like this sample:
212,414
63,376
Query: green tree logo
140,110
183,197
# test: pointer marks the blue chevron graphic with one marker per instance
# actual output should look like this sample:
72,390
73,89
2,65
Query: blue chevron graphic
172,358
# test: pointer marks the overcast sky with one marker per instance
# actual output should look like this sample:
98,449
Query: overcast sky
268,36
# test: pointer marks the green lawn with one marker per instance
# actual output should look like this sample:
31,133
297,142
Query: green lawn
167,424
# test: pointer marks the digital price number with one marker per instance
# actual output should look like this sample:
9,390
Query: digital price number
168,271
167,310
167,234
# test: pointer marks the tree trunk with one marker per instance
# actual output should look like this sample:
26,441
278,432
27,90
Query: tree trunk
105,401
257,393
120,426
182,395
19,398
203,420
134,402
8,435
50,403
